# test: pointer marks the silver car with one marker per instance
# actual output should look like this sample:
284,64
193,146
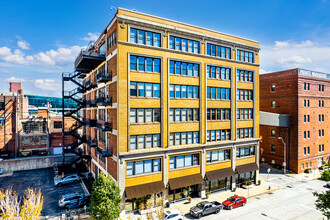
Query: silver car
1,171
73,178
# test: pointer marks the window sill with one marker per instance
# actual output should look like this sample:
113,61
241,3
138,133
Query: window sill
250,119
183,168
208,99
226,120
245,81
245,100
138,71
216,162
144,123
142,97
143,174
226,80
184,98
181,75
245,157
179,122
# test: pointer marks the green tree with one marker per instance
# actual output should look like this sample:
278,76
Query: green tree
323,203
325,175
105,199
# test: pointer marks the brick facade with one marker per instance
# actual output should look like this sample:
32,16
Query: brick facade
291,97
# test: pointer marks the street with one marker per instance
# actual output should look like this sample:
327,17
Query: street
294,200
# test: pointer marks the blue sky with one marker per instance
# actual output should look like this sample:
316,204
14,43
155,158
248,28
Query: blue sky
40,39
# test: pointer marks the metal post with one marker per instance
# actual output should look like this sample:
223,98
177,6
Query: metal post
284,163
63,154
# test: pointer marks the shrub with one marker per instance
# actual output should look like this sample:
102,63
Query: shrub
325,175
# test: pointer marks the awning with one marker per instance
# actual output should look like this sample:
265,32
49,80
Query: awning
219,174
184,181
247,168
144,189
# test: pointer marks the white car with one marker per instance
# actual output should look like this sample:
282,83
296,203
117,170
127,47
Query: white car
73,178
173,214
328,184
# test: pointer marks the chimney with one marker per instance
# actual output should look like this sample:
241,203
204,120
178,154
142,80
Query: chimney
14,87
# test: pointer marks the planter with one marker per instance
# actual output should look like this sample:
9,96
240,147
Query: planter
247,186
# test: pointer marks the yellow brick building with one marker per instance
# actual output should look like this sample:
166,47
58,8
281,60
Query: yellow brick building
177,107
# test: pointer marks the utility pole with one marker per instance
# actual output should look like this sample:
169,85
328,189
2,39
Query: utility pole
284,163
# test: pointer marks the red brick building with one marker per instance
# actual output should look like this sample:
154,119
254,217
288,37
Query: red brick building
305,96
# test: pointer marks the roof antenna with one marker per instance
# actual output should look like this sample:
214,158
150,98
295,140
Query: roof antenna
113,7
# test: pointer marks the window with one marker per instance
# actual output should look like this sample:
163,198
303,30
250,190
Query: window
180,91
218,93
272,148
306,86
143,166
57,125
218,135
245,151
142,115
184,161
182,138
139,89
321,88
2,121
244,133
244,95
218,114
308,150
145,37
177,43
183,68
112,39
218,51
144,64
148,141
2,106
245,56
273,104
214,72
244,113
273,88
216,156
244,75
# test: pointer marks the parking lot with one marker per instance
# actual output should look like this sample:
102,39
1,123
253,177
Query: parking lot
42,179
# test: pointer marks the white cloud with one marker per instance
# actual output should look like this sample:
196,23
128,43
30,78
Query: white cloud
91,36
15,79
290,54
52,57
294,59
47,84
24,45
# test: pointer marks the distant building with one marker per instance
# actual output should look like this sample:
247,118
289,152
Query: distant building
304,95
29,130
54,103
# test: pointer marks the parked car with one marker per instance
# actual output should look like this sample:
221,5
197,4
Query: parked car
234,201
73,178
205,208
1,171
73,200
173,214
328,184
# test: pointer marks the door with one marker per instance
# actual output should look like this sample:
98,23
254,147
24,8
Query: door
207,209
238,202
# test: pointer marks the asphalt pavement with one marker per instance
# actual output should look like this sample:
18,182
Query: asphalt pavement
42,179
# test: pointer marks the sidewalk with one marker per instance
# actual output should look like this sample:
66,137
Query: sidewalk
307,176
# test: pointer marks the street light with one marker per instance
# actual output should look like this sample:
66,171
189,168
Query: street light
284,163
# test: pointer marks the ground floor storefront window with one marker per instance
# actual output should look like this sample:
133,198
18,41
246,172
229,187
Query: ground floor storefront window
145,202
218,185
245,177
184,192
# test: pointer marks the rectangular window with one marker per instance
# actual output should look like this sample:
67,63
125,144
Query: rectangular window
133,35
141,115
218,51
141,141
149,141
150,39
133,142
142,39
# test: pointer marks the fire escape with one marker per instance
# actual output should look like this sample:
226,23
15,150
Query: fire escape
87,60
